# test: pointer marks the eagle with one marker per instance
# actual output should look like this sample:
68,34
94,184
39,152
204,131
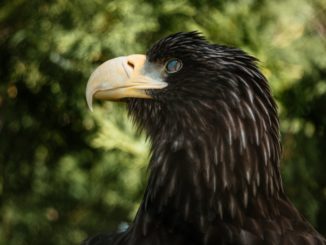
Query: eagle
214,171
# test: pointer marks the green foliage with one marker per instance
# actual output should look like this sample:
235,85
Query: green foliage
66,172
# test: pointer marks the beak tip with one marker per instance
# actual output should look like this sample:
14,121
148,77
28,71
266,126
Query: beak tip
89,100
90,107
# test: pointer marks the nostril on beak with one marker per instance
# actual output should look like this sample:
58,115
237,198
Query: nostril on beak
130,64
129,67
134,63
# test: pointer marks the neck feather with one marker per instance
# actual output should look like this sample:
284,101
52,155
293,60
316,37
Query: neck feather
213,160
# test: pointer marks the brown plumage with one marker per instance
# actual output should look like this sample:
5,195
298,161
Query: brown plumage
215,155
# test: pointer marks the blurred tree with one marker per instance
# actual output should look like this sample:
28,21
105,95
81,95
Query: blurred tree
66,173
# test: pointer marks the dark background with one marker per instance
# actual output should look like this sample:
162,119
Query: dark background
66,172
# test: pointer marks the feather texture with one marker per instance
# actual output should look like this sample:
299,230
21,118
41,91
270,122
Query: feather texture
215,155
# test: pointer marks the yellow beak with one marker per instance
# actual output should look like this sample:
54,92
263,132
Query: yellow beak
123,77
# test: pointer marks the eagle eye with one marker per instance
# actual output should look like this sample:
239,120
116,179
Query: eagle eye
173,66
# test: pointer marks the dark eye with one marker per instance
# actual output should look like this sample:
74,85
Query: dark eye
173,65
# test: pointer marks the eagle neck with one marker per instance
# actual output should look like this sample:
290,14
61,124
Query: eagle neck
211,161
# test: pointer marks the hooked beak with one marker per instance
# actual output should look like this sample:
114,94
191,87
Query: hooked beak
122,77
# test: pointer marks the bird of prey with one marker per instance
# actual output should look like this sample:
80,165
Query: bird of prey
214,171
